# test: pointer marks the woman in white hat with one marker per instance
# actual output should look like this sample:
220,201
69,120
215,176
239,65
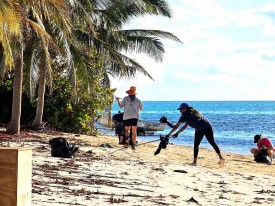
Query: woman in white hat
132,106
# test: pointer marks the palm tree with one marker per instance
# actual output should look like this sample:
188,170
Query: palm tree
30,27
11,54
56,25
113,43
14,126
39,66
100,29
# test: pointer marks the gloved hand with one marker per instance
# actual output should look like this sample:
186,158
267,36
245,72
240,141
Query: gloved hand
175,135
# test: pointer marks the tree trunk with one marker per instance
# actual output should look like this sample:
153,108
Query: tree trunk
40,102
14,125
110,124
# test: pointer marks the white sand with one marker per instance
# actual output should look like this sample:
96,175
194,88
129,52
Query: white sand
107,176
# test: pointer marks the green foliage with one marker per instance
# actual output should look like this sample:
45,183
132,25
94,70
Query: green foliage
62,110
90,42
27,110
70,113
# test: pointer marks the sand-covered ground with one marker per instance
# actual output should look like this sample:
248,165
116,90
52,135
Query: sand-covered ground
119,176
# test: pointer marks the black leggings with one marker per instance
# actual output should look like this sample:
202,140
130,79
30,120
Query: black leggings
209,134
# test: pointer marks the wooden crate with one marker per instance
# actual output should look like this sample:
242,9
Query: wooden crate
15,176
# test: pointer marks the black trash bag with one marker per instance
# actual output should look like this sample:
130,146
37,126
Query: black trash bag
164,140
163,119
262,157
62,148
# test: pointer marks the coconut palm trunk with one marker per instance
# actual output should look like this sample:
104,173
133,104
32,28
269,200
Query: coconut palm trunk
40,102
14,125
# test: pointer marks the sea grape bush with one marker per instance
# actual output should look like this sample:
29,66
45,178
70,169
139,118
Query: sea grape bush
63,110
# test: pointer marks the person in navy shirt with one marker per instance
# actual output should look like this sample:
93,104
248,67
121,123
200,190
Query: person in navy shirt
119,126
193,118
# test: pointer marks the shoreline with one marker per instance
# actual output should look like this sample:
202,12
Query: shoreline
206,156
156,136
104,176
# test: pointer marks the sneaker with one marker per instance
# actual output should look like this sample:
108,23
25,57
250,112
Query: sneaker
133,146
120,143
126,145
221,162
270,161
193,164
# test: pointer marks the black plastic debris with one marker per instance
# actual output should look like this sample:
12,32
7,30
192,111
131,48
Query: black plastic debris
105,145
180,171
60,147
192,200
164,140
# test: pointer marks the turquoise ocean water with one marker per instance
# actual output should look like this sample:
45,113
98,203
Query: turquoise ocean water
234,122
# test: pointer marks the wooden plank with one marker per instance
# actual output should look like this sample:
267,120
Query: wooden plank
15,176
8,177
24,178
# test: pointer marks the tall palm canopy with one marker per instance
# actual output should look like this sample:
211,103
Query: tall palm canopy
10,28
113,43
86,34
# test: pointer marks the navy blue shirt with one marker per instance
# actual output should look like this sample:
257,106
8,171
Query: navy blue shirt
118,117
195,122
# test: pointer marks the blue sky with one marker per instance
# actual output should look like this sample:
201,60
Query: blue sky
228,52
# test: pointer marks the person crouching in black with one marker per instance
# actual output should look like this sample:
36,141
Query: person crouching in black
119,126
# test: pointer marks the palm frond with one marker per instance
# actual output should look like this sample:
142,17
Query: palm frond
105,81
10,27
116,13
39,30
152,47
123,66
79,69
158,7
155,33
82,11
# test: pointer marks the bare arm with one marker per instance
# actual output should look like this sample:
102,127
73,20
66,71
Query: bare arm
270,147
268,142
175,128
181,129
140,106
119,103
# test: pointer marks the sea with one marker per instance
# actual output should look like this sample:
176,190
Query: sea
235,123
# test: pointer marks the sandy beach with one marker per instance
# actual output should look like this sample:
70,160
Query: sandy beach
118,176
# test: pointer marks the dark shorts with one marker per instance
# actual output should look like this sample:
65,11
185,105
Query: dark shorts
130,122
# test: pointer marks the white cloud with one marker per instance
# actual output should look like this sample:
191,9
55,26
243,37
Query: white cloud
226,53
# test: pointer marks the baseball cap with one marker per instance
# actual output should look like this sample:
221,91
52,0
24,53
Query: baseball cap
257,137
183,106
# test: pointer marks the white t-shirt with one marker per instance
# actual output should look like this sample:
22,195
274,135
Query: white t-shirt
131,108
